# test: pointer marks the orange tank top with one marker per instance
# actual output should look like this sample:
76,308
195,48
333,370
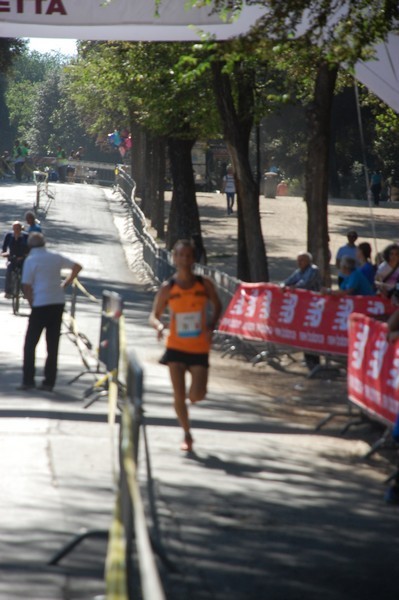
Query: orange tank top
187,307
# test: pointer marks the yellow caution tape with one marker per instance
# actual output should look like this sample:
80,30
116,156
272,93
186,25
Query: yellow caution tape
115,564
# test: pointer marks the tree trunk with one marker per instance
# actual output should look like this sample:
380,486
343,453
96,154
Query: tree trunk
138,157
7,134
184,221
316,176
158,200
237,125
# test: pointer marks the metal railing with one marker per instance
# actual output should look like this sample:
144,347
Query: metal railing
158,260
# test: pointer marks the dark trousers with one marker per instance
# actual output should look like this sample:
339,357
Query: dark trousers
49,318
230,201
18,170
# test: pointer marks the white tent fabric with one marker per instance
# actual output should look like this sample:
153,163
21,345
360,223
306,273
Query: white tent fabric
381,75
118,20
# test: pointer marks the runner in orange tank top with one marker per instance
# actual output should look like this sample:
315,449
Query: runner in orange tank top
188,298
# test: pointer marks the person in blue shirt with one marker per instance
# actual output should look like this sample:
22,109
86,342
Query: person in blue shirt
354,283
364,261
32,222
349,249
306,276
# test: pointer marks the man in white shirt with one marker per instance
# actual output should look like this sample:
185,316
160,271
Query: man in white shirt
44,290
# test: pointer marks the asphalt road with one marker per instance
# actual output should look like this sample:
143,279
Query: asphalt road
264,509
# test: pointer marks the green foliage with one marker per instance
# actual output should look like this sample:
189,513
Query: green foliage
25,79
10,49
143,81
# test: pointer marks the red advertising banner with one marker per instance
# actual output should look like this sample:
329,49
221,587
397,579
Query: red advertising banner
373,368
298,318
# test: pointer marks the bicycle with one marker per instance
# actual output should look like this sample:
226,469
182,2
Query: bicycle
15,287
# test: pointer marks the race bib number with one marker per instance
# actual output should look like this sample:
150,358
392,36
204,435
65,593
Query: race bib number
188,324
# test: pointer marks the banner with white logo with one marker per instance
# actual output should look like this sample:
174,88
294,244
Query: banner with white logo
373,368
167,20
298,318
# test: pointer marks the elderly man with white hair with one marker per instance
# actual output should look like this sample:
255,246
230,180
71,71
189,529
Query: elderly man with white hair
44,289
306,276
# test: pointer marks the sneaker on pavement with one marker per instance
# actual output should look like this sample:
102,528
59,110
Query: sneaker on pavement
24,387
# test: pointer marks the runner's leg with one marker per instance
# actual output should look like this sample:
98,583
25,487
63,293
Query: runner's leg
199,381
177,376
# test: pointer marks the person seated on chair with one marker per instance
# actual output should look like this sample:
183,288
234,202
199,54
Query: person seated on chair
15,248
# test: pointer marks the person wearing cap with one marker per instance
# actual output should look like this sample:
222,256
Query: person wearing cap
45,291
349,249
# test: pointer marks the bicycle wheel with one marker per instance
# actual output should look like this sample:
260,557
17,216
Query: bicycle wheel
16,290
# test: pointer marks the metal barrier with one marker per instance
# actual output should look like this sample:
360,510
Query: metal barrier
159,261
131,569
131,509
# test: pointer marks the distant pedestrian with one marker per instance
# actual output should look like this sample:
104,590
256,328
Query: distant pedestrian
229,188
188,298
62,164
349,249
44,290
19,160
376,187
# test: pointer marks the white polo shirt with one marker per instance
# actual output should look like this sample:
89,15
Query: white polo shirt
42,270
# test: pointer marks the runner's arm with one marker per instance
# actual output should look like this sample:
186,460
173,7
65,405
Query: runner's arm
160,303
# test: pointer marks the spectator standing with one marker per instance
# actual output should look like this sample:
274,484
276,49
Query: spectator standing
307,277
349,249
376,187
5,165
32,222
15,248
387,275
363,257
229,188
19,160
282,188
78,155
62,164
27,170
188,298
42,286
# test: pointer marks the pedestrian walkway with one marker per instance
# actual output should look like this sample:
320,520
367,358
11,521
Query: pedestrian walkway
263,509
284,229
